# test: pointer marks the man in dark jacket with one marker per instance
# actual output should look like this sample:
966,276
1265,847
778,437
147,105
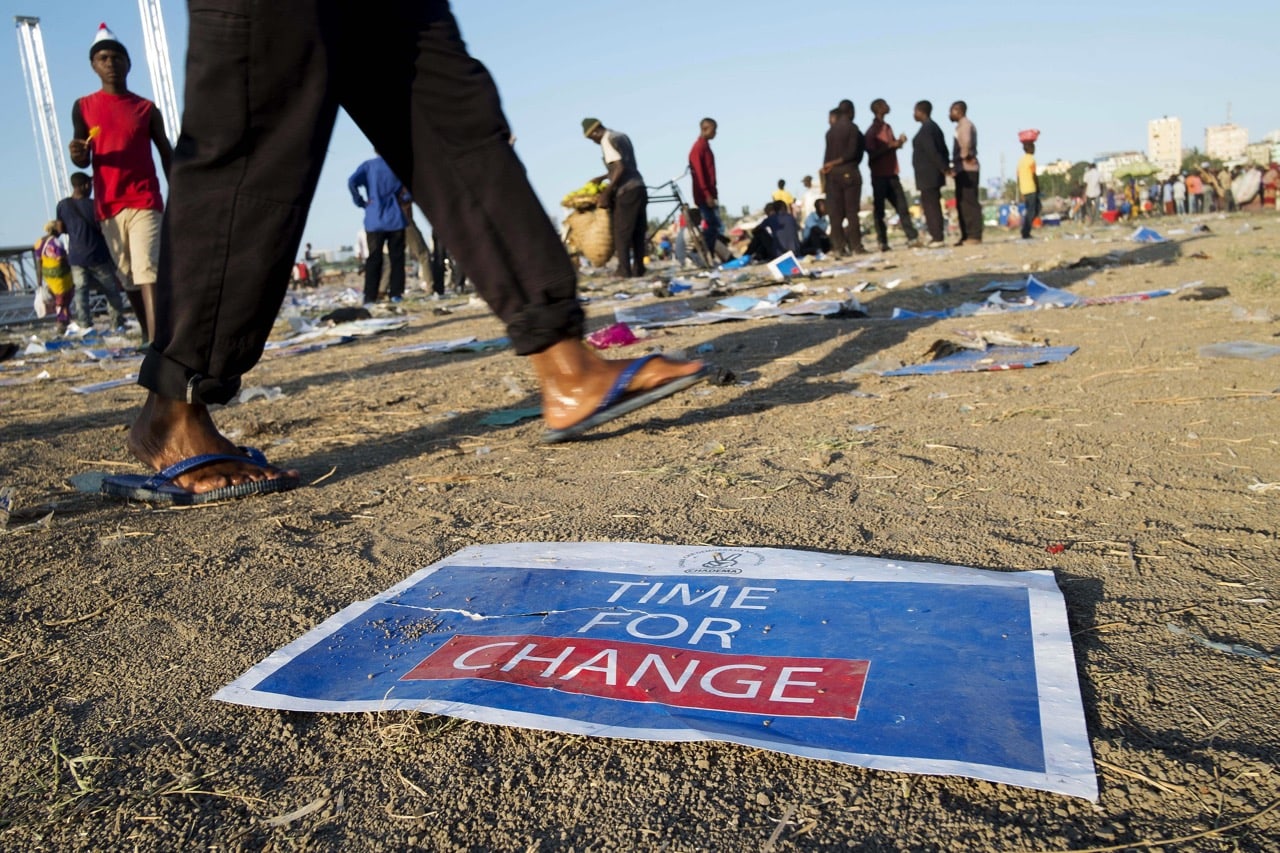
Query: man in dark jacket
929,160
844,181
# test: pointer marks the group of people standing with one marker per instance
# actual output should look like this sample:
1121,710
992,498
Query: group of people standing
845,147
837,227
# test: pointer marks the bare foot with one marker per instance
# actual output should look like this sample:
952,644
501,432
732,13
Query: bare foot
575,380
167,432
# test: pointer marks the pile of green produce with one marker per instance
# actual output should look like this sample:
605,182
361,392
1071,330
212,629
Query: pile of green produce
585,195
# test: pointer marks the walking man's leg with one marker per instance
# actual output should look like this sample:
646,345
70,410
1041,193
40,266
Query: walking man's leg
80,302
931,204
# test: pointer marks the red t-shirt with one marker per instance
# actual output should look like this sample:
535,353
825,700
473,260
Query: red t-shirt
124,173
880,136
702,162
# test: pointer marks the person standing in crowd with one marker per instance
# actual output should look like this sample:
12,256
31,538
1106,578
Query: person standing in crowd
88,254
113,131
625,194
886,186
438,121
54,273
844,181
1179,196
964,169
1166,196
1195,187
809,198
1208,189
702,165
377,190
929,162
1028,187
1092,193
781,194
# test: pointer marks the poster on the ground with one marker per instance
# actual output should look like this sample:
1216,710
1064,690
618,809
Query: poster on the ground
910,667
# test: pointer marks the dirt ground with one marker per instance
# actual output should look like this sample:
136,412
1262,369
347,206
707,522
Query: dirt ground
1143,473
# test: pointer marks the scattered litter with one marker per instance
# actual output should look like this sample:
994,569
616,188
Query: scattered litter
786,266
432,346
937,288
712,448
514,388
723,376
106,386
283,349
88,482
1265,487
1229,648
45,522
736,263
507,417
995,358
1004,287
704,349
1240,314
1146,235
8,502
1199,229
268,394
1203,293
617,335
892,283
346,315
1240,349
642,316
1056,548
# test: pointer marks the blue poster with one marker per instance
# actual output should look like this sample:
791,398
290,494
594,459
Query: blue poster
904,666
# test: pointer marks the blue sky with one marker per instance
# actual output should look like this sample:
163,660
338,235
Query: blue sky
1087,74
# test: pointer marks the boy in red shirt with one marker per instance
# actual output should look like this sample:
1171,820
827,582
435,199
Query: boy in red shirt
114,130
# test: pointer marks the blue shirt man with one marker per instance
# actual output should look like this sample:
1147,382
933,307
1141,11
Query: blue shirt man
384,224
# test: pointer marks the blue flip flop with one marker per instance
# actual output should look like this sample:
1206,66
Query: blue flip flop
160,488
619,401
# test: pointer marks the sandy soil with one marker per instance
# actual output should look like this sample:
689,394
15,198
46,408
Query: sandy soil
1137,455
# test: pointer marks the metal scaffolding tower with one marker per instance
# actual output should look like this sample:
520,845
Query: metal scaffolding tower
157,47
44,120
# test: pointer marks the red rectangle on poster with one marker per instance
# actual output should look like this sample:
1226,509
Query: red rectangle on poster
637,672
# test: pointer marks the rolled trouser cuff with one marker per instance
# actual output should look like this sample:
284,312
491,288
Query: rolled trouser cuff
173,381
538,326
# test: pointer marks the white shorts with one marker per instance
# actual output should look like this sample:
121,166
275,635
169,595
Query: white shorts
133,238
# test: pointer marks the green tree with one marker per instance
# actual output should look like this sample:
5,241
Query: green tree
1192,160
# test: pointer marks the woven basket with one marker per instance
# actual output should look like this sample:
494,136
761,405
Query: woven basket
580,202
590,234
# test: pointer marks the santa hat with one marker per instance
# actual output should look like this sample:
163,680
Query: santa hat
106,40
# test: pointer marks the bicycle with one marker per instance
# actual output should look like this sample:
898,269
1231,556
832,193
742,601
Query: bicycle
669,192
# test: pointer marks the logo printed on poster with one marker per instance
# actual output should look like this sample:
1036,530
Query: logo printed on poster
719,562
639,672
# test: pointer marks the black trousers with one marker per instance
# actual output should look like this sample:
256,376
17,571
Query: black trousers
844,200
931,204
394,241
968,206
1032,201
264,82
630,229
889,188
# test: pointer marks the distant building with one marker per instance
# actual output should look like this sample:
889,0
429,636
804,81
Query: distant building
1057,167
1108,163
1262,153
1164,143
1225,141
